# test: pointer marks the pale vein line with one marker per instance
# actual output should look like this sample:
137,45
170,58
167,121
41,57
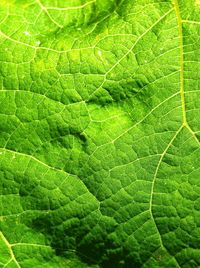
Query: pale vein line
29,244
40,47
191,21
36,159
41,95
147,115
192,91
73,7
153,185
10,249
158,166
16,41
46,11
180,29
7,14
184,123
5,265
135,160
133,126
193,134
60,51
132,47
50,167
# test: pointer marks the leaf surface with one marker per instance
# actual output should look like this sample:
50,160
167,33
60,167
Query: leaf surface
99,133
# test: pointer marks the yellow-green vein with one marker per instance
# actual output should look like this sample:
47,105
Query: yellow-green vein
10,249
180,28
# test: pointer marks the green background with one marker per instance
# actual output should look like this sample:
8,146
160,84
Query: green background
99,133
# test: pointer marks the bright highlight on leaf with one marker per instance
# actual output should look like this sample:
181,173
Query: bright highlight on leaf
99,134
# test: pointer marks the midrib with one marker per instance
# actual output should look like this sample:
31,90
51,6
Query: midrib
180,28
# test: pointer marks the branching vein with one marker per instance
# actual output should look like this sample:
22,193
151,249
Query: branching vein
10,249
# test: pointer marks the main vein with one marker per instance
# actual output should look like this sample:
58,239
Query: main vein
3,238
180,28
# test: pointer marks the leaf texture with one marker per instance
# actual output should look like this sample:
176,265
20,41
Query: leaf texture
99,133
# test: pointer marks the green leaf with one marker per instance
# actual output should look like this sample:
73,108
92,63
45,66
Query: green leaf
99,133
